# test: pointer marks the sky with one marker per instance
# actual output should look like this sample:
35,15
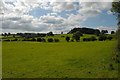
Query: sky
55,15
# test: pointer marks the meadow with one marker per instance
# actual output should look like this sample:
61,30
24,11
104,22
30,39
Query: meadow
58,60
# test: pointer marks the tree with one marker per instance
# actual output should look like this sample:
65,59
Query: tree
50,40
9,34
61,32
56,40
116,11
77,35
104,31
93,38
67,38
85,31
112,32
102,37
50,34
109,37
14,35
5,34
39,39
97,32
33,39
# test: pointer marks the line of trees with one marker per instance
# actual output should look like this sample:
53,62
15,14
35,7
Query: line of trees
89,31
35,39
116,11
85,31
76,37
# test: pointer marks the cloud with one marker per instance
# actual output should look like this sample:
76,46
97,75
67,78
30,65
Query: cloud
16,14
52,19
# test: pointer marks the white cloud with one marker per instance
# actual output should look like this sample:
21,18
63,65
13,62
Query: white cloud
51,19
16,15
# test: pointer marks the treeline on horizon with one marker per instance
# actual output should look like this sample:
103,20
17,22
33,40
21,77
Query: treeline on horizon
76,34
72,31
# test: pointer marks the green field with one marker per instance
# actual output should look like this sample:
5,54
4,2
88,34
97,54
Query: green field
58,60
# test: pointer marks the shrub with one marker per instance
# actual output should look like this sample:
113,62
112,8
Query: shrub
67,38
24,40
39,39
14,39
109,37
43,40
102,38
50,34
77,35
86,39
50,40
72,40
33,39
93,38
56,40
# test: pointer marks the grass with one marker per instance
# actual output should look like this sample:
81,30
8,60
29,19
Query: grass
58,60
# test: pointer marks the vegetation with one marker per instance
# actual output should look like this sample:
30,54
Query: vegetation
27,57
85,31
50,40
77,35
116,11
60,60
67,38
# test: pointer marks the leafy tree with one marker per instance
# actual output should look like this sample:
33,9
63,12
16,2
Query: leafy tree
109,37
39,39
61,32
9,34
85,31
112,32
50,34
33,39
97,32
102,37
104,31
43,40
56,40
116,11
77,35
14,35
93,38
5,34
50,40
67,38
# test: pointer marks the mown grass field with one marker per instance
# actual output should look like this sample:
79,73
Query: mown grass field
58,60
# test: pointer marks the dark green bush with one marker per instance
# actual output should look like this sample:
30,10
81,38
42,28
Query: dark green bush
39,39
33,39
43,40
56,40
93,38
102,37
50,39
109,37
67,38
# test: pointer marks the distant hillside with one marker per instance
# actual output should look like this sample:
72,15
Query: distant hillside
85,31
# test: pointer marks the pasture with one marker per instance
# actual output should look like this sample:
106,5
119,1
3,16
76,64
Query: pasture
58,60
